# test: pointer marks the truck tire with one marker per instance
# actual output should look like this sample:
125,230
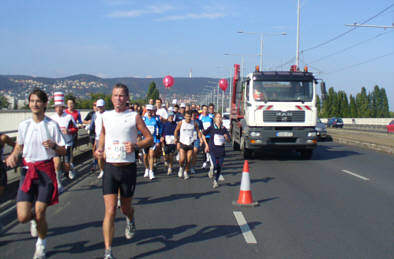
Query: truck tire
306,154
246,153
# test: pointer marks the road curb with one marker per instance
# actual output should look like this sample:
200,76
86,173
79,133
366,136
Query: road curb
367,145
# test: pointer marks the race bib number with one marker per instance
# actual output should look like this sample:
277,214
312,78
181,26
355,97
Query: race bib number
116,151
151,129
170,139
218,140
206,125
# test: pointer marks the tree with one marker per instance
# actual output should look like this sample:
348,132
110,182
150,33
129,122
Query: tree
3,102
362,102
343,105
385,104
353,107
153,92
318,105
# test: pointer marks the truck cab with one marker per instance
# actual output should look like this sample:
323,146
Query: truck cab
274,110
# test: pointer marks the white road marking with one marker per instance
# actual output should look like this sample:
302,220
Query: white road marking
356,175
247,233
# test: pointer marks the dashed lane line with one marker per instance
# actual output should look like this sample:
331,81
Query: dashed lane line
247,233
355,175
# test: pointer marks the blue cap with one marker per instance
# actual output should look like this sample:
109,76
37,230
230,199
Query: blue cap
170,114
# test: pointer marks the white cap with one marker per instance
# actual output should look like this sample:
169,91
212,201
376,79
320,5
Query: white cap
58,98
170,109
183,105
100,103
149,107
174,101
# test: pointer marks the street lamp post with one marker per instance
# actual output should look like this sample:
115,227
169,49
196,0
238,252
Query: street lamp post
261,42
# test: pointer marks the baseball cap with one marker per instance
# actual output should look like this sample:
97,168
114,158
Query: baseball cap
170,109
149,107
170,114
183,105
100,103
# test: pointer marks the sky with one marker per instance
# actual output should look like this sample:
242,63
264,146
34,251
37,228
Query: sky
129,38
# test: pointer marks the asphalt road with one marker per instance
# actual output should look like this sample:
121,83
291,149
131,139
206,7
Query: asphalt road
337,205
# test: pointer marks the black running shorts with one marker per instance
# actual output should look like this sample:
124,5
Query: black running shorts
3,174
187,147
40,190
123,178
168,149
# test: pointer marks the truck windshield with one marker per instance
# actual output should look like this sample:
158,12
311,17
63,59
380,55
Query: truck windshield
283,91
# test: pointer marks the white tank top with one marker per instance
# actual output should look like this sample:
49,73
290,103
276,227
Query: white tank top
120,127
186,133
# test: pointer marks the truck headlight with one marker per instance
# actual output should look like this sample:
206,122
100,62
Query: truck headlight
254,134
312,134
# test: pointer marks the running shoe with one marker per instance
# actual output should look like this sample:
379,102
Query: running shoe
108,254
71,174
221,178
40,252
210,173
165,163
192,170
151,175
169,172
33,228
177,157
100,175
215,184
186,175
129,231
180,172
118,205
204,165
146,175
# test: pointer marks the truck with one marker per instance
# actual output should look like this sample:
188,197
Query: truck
274,110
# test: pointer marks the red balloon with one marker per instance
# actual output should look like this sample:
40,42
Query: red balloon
223,84
168,81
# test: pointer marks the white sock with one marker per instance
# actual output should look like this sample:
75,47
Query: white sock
42,242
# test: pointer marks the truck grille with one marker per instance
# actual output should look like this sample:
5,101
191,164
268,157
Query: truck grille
280,116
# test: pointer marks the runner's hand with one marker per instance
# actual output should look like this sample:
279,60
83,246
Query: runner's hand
11,161
48,143
206,149
99,153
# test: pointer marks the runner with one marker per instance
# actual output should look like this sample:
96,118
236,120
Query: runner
68,127
77,118
215,147
39,139
4,139
198,142
152,123
184,134
161,111
89,121
100,106
118,140
211,110
168,140
207,121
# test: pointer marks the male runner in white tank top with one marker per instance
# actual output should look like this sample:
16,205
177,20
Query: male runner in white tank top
184,135
118,140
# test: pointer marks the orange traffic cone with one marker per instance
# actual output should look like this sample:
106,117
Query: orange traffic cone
245,194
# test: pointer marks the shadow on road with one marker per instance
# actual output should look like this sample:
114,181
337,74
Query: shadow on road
172,197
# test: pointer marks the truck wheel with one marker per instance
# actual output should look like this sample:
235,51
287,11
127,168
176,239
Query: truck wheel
306,154
234,144
246,153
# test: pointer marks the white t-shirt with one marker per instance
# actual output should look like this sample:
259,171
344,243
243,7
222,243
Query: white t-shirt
162,113
120,127
98,123
64,121
31,135
186,132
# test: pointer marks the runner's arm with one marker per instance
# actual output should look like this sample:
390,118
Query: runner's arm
7,140
101,142
197,129
12,159
148,138
176,132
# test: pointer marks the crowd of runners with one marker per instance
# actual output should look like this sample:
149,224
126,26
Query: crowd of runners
128,135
